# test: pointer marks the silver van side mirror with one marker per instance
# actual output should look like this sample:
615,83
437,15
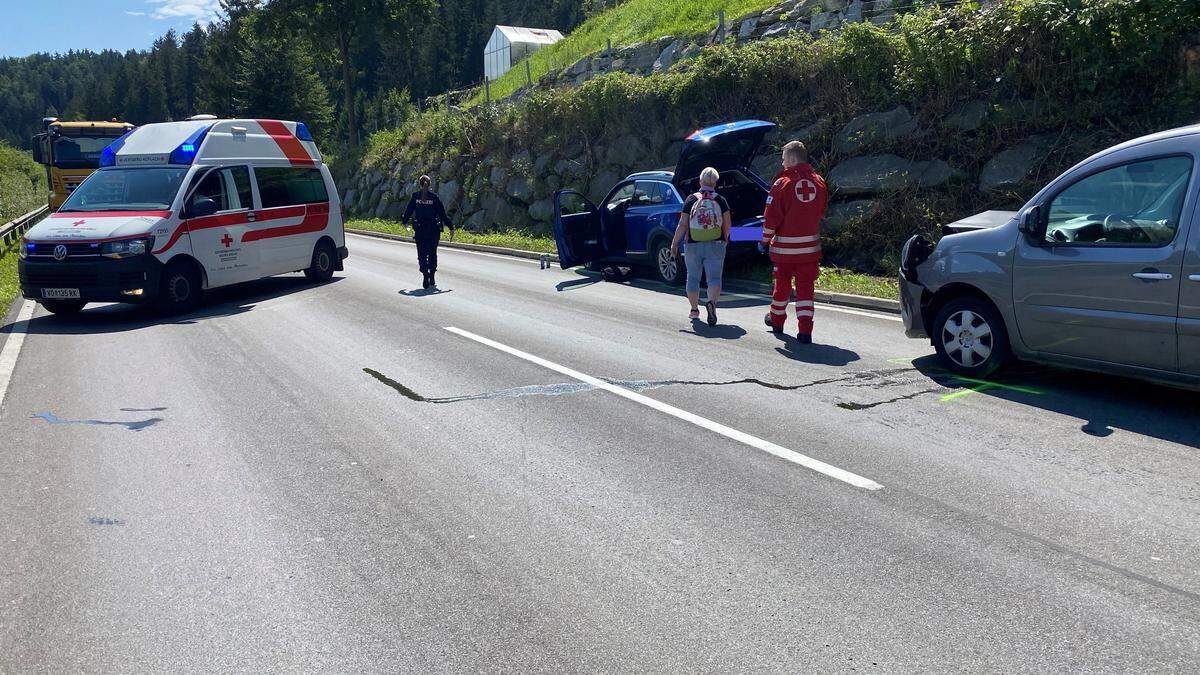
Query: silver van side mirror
1031,223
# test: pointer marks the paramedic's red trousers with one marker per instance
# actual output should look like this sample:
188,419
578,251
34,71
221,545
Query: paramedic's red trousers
802,276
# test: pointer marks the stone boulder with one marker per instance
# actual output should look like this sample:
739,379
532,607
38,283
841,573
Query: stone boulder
601,184
967,116
867,130
783,29
667,57
626,151
498,211
747,27
840,214
478,221
518,189
887,173
542,211
449,193
767,165
1012,166
498,177
541,163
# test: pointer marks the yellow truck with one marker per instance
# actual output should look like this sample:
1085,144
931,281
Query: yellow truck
70,151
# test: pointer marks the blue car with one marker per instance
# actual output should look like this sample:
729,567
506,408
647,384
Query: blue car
635,223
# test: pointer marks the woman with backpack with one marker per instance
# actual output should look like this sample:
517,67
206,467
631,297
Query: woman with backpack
705,223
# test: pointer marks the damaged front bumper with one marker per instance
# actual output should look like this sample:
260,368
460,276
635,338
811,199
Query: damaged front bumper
912,292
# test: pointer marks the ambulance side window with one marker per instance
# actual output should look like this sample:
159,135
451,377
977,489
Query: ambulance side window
212,187
288,186
239,178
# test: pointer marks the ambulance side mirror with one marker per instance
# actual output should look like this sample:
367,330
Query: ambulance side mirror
200,207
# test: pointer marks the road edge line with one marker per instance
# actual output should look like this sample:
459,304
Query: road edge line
716,427
12,347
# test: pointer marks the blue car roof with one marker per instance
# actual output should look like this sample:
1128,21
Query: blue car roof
651,175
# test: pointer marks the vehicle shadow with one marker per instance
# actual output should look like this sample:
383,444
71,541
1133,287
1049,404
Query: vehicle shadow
1103,403
719,331
119,318
423,292
815,353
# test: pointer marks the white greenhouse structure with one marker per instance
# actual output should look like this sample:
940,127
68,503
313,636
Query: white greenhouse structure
509,44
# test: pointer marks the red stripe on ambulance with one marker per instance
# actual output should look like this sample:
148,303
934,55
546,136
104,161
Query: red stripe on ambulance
291,146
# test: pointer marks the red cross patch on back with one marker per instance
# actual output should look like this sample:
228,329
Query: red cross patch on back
806,190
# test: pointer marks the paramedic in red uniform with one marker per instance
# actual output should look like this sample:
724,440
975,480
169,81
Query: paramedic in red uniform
791,233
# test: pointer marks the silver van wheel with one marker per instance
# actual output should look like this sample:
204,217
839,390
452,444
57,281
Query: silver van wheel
967,338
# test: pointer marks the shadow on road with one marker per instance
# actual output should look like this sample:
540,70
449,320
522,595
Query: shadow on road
423,292
719,331
118,318
1103,402
820,354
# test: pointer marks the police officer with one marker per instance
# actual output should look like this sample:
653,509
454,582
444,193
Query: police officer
429,215
791,232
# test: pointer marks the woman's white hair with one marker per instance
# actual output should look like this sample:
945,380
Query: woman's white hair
709,176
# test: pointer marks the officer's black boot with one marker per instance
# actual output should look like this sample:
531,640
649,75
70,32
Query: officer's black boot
432,280
425,281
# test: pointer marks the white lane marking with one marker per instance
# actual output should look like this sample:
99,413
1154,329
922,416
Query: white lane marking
746,296
12,347
716,427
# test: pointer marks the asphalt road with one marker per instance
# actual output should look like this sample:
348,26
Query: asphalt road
307,477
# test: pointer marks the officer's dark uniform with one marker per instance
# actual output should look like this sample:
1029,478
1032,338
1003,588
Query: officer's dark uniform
428,218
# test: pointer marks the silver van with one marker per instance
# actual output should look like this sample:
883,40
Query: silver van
1100,271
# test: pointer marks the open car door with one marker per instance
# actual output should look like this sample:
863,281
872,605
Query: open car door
578,229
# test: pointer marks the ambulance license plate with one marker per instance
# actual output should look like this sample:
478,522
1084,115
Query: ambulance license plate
61,293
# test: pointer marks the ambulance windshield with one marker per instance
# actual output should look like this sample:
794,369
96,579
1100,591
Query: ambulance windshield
127,189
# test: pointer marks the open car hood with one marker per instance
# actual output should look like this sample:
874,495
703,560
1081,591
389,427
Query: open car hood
979,221
723,146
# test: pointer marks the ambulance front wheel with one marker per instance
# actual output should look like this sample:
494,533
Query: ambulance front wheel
324,260
180,289
65,307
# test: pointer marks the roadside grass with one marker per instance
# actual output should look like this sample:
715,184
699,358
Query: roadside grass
8,277
833,279
627,23
523,241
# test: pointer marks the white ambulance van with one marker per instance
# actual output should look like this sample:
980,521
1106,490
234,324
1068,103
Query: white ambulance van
180,207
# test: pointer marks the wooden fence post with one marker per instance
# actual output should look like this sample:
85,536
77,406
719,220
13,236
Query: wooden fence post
721,25
487,89
528,73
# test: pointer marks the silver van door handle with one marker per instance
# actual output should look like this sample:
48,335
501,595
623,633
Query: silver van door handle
1153,276
1194,277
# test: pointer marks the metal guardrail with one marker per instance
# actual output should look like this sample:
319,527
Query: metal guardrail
12,230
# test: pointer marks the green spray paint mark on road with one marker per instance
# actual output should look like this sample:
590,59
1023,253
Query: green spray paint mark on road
985,385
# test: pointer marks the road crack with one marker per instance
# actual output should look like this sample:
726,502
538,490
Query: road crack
563,388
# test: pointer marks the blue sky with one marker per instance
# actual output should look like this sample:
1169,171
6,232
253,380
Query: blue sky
59,25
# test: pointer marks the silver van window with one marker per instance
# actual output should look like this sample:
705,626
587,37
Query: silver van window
1136,204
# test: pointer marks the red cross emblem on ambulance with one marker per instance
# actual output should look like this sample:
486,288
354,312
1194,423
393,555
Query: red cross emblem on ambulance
227,240
806,190
78,223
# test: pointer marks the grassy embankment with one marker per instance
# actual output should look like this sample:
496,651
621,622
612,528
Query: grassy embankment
22,189
627,23
832,279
